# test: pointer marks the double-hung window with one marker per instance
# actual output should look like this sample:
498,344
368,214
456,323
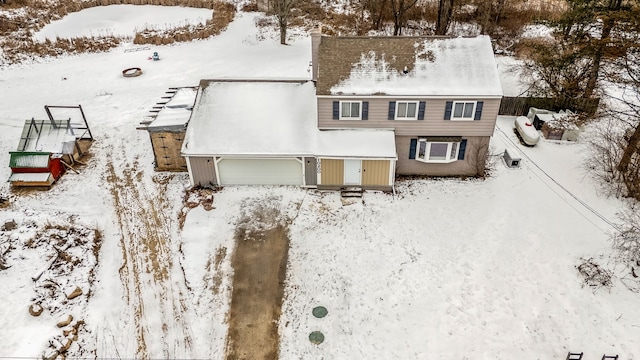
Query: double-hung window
463,110
406,110
350,110
437,151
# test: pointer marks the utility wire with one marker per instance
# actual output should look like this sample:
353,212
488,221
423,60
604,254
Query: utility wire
580,201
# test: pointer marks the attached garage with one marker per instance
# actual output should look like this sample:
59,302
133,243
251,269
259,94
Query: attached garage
252,132
260,171
276,141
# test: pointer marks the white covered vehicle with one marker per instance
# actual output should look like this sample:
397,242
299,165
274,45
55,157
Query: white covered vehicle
527,131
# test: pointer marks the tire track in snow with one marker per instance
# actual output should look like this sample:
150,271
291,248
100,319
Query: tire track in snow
153,287
129,272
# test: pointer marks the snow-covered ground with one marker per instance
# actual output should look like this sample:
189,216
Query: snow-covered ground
512,84
446,269
108,21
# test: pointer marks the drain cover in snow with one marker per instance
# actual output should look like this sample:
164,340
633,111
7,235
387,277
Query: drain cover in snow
319,311
316,337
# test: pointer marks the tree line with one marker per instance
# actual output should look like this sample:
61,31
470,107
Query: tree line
435,16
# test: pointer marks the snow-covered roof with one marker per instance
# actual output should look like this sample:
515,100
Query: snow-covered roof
30,177
270,118
361,143
550,116
406,66
251,117
176,112
20,159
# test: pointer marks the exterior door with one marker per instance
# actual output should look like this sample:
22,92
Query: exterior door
310,171
375,172
352,172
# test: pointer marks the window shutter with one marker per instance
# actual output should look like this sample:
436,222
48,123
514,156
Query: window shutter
478,110
421,107
463,147
447,110
365,110
336,110
412,148
392,110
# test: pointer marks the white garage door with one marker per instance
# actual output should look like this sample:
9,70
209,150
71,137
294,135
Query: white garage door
260,172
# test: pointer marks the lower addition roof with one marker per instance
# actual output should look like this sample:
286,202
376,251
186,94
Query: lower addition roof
175,113
361,143
272,118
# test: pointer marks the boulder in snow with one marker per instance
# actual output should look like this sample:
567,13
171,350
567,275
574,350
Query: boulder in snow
73,292
9,225
50,354
65,321
66,344
69,330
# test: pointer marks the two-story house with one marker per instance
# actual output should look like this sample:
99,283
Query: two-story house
375,107
440,95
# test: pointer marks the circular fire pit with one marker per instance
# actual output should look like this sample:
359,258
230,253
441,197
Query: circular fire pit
132,72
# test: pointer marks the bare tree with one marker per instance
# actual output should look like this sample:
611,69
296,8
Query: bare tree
555,69
606,144
479,161
626,247
445,14
378,12
627,112
629,165
282,10
489,15
399,10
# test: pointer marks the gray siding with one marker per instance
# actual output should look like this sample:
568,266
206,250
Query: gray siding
466,167
432,125
203,171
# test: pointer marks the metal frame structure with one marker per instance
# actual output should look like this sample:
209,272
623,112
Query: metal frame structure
84,127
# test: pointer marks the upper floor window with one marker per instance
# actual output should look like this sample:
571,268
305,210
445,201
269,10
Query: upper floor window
463,110
406,110
350,110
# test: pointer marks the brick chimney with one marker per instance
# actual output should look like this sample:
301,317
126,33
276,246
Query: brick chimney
316,36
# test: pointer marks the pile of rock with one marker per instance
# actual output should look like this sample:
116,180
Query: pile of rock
60,344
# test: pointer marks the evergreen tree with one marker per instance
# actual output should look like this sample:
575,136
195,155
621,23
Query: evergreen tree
598,30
